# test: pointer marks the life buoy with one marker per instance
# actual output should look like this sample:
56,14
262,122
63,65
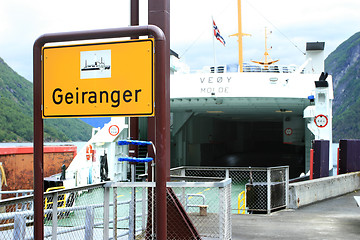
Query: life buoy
89,152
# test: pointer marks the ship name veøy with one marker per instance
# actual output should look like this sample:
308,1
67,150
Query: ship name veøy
214,80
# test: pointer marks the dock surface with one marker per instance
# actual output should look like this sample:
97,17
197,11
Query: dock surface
336,218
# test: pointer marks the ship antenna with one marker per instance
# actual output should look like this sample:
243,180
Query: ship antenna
266,63
277,28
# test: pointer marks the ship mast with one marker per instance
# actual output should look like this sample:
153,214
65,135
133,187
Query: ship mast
240,34
267,59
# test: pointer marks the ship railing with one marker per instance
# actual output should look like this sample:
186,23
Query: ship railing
249,68
272,69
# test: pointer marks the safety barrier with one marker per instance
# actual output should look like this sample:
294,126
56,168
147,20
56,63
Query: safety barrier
308,192
108,211
266,188
189,196
16,193
241,203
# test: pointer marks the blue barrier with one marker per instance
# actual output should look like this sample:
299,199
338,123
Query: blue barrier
134,142
133,159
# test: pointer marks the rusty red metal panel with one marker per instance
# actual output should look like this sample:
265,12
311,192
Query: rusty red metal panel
27,150
18,165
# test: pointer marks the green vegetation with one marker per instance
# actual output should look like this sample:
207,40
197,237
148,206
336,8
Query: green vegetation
16,115
344,65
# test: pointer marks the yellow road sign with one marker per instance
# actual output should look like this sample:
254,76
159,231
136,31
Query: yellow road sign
99,79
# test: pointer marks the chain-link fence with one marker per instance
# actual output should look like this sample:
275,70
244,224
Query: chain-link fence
207,207
133,218
195,210
199,203
266,189
79,214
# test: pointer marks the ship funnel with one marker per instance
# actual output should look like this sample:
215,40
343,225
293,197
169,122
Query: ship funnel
315,53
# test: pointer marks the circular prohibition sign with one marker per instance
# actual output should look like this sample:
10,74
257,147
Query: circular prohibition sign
321,121
114,130
288,131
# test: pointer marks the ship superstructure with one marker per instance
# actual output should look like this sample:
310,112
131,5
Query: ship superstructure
263,117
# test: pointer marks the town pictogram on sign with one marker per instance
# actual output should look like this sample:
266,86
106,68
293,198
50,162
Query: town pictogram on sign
321,121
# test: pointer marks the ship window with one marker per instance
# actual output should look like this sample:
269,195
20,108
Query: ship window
321,97
273,80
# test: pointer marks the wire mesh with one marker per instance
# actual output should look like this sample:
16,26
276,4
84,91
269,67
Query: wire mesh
199,206
194,211
80,211
266,188
206,211
19,225
68,214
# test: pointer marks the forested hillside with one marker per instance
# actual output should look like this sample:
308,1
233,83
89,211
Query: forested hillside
16,113
344,65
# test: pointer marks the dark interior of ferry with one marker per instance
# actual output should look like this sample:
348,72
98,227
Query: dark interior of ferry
239,143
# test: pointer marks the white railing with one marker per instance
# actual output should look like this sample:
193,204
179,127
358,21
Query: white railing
90,212
249,68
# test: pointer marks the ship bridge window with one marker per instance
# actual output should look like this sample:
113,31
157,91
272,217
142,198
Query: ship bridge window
273,80
221,69
321,97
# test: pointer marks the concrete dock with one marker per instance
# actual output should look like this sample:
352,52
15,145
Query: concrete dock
336,218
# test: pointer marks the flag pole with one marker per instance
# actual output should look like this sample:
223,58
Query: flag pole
213,36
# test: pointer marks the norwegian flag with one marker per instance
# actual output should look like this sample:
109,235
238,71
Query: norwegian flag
217,33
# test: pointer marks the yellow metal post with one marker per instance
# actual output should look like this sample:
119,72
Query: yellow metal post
241,202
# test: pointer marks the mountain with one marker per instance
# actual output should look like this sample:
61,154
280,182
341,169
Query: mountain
16,113
344,66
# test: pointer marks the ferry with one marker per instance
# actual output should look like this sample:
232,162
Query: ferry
257,114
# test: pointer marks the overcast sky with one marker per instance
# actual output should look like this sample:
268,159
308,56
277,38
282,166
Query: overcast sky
292,22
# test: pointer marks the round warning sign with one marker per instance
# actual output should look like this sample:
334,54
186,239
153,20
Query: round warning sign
114,130
288,132
321,121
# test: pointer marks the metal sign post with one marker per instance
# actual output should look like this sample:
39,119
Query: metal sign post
162,116
159,15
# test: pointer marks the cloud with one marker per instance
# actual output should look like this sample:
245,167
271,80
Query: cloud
292,23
